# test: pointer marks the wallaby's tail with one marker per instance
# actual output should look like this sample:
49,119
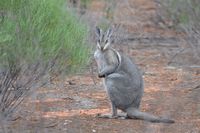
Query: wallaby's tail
136,114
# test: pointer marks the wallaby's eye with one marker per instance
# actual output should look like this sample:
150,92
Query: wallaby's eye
98,41
106,41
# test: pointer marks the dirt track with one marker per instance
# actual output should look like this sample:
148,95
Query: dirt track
72,107
169,90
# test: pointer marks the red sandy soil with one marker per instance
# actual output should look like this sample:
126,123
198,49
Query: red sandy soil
72,106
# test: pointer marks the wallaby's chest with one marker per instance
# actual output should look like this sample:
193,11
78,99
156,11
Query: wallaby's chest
100,59
104,59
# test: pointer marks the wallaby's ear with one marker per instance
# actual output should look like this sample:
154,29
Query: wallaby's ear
98,31
109,32
98,34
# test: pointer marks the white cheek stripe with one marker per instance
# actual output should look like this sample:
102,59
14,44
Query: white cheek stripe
106,46
98,45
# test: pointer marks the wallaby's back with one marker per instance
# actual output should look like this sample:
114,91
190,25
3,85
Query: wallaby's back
126,83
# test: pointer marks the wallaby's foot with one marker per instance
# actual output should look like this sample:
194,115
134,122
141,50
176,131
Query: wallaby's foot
122,116
110,116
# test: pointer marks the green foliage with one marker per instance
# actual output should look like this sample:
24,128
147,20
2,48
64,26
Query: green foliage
104,24
184,13
42,30
85,2
110,9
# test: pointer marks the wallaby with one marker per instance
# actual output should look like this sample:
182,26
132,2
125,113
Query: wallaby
122,79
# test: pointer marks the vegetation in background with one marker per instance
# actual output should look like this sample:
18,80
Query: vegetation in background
110,9
182,12
81,5
37,37
85,2
44,30
184,15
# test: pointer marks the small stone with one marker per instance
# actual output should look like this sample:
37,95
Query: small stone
67,122
94,131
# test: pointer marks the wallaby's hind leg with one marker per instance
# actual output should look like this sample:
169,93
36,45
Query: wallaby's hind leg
136,114
112,115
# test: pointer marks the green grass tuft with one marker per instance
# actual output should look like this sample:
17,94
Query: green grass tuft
32,30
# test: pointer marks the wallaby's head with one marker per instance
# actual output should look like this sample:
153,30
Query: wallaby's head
103,38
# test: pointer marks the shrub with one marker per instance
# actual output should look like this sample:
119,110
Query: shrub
37,37
184,15
182,12
42,29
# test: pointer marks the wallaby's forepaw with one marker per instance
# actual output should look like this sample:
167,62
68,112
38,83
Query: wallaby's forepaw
101,76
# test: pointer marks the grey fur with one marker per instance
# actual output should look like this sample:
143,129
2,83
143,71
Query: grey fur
123,81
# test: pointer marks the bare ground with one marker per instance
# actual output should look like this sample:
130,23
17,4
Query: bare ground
171,91
72,106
